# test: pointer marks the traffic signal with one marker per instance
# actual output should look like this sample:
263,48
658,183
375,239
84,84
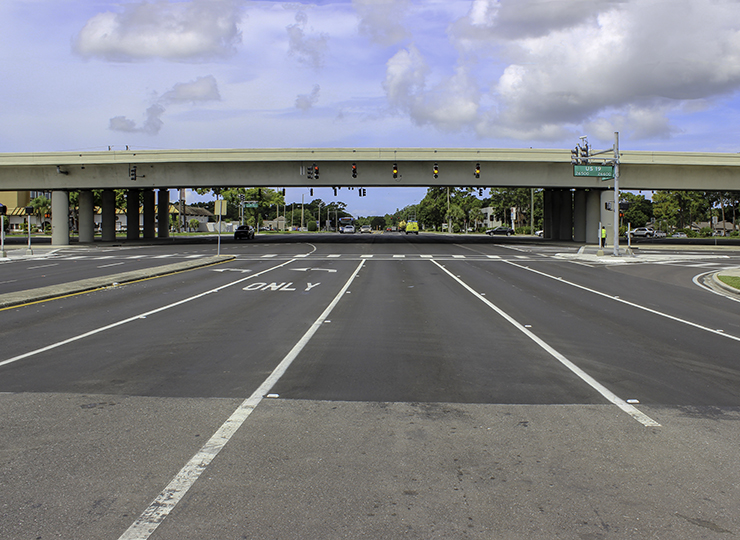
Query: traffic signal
354,170
3,209
283,192
480,192
364,192
132,172
477,170
575,156
309,172
395,171
435,170
259,193
315,171
310,192
584,154
335,191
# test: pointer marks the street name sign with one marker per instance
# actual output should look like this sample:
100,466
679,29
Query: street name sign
603,171
250,204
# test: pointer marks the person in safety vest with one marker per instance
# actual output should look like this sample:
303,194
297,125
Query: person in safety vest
603,236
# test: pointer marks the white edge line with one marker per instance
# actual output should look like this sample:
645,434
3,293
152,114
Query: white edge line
585,377
627,302
166,501
131,319
696,281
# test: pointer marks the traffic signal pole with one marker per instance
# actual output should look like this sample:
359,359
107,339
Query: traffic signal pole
616,194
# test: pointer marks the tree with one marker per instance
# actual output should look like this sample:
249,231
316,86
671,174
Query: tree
639,210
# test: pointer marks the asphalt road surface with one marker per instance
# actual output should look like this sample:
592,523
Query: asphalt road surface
372,387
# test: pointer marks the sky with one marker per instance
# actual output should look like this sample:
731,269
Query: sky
87,75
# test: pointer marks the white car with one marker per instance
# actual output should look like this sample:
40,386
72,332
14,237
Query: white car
646,232
366,229
348,229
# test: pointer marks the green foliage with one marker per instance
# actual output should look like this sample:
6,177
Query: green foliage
193,224
312,227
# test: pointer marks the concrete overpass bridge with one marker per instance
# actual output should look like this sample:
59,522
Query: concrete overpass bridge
573,205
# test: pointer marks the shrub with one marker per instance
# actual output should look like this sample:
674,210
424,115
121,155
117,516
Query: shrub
312,227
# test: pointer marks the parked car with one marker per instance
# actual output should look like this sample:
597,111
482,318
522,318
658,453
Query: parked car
539,233
508,231
244,232
679,235
659,234
645,232
366,229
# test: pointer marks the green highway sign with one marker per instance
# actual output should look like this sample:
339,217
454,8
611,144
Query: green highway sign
250,204
604,171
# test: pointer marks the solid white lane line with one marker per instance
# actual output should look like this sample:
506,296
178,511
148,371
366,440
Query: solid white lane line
42,266
627,302
585,377
166,501
111,264
131,319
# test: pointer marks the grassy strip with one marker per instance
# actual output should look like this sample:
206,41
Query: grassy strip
732,281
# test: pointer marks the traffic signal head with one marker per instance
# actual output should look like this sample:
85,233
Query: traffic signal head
584,154
477,170
435,170
310,192
315,171
575,156
364,192
354,170
309,172
480,192
395,171
3,210
335,191
132,172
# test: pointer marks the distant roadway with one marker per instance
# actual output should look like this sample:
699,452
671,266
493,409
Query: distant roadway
377,386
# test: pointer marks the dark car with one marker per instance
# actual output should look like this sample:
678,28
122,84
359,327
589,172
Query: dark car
508,231
244,232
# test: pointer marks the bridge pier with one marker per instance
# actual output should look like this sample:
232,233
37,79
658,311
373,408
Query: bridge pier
132,214
86,221
60,218
108,215
163,213
148,198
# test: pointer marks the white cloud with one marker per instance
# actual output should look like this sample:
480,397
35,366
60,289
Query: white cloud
380,20
306,101
194,30
201,90
308,49
151,126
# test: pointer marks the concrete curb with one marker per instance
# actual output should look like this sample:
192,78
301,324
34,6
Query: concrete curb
723,287
83,285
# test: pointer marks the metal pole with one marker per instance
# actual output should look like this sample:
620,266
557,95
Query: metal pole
2,235
616,194
302,194
531,213
28,219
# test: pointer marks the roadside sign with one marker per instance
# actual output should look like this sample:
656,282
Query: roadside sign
604,171
251,204
220,207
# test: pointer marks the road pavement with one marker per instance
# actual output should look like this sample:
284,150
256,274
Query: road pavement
377,388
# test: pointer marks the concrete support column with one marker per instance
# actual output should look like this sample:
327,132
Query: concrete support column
59,218
566,215
108,215
547,214
163,213
87,216
579,215
148,196
132,214
593,216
